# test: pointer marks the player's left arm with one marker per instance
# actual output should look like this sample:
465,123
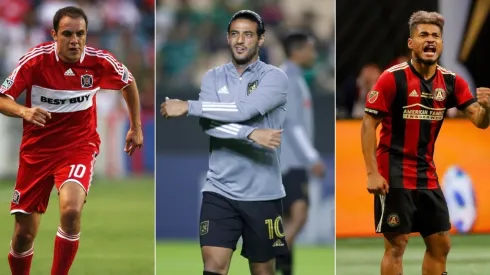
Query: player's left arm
118,77
477,111
270,93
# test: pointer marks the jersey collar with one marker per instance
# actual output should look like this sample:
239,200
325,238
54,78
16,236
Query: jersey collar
58,58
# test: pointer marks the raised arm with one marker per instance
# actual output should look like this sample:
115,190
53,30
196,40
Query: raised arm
476,111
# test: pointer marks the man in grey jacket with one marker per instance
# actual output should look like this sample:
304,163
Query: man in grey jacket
242,107
298,155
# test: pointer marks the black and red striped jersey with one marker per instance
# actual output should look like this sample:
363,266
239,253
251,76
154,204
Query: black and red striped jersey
413,110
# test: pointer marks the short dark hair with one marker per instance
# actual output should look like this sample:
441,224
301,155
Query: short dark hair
70,11
424,17
295,41
252,16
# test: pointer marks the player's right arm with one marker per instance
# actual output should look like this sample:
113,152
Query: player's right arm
266,137
270,93
215,128
13,86
378,105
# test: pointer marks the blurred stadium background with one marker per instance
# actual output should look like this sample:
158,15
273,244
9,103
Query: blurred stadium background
191,39
372,36
121,201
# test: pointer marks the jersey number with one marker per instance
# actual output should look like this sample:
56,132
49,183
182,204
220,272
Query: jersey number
77,170
274,227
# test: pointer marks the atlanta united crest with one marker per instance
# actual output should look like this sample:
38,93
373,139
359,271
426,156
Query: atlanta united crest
252,86
439,94
393,220
87,81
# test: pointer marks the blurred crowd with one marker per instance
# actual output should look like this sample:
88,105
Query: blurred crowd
191,38
124,27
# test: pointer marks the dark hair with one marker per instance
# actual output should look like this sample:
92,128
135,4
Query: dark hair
252,16
72,12
424,17
295,41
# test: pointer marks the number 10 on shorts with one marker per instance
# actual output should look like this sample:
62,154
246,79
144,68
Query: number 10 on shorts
77,171
274,227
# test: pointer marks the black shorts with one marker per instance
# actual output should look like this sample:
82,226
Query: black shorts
295,183
259,223
406,211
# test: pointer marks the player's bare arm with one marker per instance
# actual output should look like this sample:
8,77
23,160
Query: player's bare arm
33,115
479,112
134,138
376,183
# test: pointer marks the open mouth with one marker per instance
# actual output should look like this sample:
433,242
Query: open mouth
430,50
240,49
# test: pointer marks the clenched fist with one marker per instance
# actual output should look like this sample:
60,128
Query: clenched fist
174,108
377,185
36,115
269,138
483,97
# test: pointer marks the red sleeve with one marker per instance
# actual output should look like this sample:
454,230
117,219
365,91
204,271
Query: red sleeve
17,82
115,75
462,94
379,99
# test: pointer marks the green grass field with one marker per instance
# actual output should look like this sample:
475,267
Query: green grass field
469,255
117,234
185,258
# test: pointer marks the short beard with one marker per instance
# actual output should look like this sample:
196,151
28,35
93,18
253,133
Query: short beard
426,62
245,60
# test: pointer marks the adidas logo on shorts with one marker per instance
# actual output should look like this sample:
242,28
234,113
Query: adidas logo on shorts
278,243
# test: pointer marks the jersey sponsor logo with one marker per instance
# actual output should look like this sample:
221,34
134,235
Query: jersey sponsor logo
73,100
16,197
372,96
125,75
204,228
6,84
393,220
87,81
422,112
439,94
252,86
62,101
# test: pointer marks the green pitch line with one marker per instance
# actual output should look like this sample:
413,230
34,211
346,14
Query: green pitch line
185,258
117,234
469,255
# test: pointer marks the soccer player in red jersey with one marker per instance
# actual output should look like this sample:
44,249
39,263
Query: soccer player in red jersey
60,140
410,100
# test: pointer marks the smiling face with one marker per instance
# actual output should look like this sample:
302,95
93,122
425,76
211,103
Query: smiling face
70,37
244,41
426,43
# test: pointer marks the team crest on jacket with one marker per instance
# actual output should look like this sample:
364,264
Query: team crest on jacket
252,86
439,94
87,81
372,96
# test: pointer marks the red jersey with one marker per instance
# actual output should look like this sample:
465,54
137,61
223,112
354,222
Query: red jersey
413,110
67,91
